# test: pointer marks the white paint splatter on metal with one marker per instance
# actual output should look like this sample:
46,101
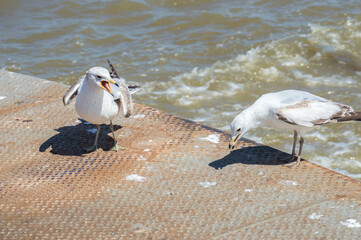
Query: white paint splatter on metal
351,223
287,182
139,116
207,184
92,130
141,158
135,177
315,216
214,138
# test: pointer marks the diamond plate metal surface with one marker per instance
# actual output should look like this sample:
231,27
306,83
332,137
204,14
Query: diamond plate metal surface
175,180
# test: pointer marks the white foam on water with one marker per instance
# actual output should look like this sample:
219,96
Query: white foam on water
334,80
350,163
326,37
290,60
337,38
231,77
318,136
79,43
189,88
345,166
339,148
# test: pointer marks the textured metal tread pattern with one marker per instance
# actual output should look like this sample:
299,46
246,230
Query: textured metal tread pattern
175,180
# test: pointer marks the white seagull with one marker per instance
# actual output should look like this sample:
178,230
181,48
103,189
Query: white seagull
290,110
100,98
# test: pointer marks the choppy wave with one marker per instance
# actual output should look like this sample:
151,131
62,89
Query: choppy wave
276,65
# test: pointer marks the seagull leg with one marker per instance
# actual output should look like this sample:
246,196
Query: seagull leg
295,135
116,147
295,163
300,151
95,145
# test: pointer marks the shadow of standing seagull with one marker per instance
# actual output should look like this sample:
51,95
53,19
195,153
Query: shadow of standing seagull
255,155
70,139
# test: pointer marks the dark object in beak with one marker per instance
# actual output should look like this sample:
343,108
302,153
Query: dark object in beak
233,142
231,147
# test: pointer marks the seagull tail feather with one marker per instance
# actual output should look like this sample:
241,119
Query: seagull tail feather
356,116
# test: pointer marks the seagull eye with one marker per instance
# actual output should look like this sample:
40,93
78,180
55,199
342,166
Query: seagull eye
99,76
239,129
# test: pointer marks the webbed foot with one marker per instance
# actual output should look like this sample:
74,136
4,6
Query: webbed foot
294,163
117,148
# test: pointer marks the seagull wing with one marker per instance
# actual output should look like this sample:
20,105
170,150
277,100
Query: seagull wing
122,95
114,74
313,112
73,91
134,88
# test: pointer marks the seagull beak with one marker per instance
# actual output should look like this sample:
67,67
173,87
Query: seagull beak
233,141
106,85
112,81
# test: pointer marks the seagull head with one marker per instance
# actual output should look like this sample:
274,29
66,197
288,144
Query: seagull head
240,125
101,77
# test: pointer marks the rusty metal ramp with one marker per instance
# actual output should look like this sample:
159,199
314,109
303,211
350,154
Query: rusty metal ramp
175,180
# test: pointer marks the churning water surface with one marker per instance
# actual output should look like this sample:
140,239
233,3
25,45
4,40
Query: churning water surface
203,60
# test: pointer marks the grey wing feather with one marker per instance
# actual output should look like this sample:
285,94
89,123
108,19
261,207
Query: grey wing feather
309,113
73,91
113,73
122,94
134,88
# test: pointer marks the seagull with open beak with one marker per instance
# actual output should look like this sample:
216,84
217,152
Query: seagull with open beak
99,100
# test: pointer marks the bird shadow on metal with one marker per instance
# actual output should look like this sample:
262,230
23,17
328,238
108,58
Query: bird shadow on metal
71,140
255,155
